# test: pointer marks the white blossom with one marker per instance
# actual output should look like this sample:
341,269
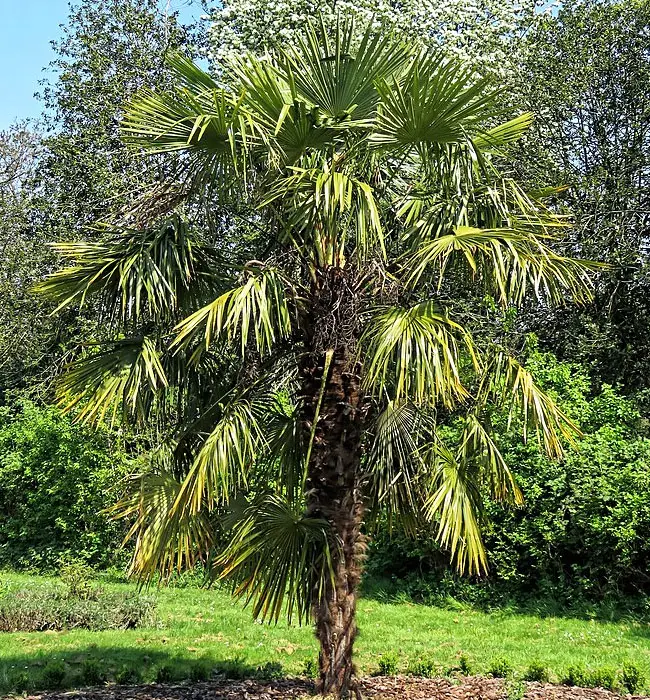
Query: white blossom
482,32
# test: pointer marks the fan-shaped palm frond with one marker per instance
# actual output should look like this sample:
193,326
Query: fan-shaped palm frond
394,464
457,503
506,382
166,539
261,306
197,117
225,457
132,273
128,376
510,260
278,558
418,353
437,101
338,79
478,445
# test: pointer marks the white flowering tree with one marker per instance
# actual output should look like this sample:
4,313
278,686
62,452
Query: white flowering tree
479,31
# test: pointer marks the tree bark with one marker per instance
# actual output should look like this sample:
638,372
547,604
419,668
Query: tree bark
335,405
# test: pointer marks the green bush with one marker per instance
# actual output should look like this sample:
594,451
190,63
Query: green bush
602,678
536,671
422,668
388,664
91,673
583,533
576,676
500,668
54,674
53,608
165,674
199,672
310,669
632,678
55,478
128,675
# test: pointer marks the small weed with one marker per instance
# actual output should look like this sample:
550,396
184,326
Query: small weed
54,674
164,674
128,676
500,668
199,672
310,669
632,679
270,671
388,664
536,671
91,673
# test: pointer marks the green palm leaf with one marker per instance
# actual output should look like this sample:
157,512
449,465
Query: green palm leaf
128,376
260,308
278,558
153,272
166,539
418,353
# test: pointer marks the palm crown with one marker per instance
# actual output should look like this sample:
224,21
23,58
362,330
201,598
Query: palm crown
296,313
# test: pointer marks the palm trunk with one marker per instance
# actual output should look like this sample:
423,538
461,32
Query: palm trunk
336,405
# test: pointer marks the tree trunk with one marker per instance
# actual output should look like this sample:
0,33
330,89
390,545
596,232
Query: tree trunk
336,406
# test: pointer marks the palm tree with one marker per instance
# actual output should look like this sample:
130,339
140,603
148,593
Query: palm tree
300,310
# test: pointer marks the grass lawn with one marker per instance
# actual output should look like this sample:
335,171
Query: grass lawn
207,627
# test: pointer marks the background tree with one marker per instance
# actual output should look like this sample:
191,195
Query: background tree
370,176
483,32
584,73
60,176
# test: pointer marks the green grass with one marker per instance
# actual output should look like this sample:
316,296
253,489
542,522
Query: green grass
206,627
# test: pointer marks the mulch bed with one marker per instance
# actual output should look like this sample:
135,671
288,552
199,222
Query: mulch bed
398,688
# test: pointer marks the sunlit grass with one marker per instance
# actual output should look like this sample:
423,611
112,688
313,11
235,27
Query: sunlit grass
207,627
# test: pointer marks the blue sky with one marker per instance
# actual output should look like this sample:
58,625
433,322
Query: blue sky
26,29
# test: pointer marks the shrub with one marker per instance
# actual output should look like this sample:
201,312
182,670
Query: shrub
424,668
54,674
164,674
388,664
20,682
128,675
199,672
77,577
270,671
632,678
91,673
54,479
464,666
310,669
576,676
51,608
500,668
234,669
537,672
602,678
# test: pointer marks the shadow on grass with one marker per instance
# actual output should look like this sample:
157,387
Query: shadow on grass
95,665
634,611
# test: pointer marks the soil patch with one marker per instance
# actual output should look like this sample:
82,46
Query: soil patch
397,688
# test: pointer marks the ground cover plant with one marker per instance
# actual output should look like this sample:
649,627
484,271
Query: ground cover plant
56,605
201,630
